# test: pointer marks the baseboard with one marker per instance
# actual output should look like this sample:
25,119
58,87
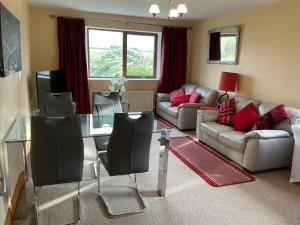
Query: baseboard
14,202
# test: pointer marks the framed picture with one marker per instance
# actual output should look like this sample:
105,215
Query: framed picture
10,47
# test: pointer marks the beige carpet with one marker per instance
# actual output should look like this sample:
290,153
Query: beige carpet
270,200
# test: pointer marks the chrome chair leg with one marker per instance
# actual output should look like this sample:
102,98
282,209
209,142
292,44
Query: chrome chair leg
110,213
78,202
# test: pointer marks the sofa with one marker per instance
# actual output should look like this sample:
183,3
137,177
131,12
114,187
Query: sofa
184,116
256,150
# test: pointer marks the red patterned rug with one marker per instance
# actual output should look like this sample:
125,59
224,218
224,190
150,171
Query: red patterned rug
163,122
208,164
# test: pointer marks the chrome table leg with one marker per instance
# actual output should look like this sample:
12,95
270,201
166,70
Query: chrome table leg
163,162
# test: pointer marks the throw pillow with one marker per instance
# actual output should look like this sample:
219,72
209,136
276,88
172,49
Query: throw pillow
246,118
180,100
279,114
271,118
195,97
177,93
227,112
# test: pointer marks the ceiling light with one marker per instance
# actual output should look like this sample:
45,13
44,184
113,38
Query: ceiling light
174,13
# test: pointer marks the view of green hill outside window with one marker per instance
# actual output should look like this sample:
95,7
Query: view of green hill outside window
140,55
106,54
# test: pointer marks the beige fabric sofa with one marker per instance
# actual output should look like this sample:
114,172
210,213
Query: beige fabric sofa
185,115
256,150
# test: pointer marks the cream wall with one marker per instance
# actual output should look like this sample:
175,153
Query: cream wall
269,59
14,101
44,44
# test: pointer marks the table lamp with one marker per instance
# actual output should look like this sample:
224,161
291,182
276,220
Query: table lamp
227,83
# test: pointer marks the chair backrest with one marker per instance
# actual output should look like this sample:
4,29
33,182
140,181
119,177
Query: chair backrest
56,150
129,145
107,103
56,104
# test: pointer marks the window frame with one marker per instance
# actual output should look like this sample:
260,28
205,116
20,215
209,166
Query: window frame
125,33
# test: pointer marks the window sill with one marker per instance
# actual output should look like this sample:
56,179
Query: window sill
129,79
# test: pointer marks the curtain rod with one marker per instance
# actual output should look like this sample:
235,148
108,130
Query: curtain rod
52,16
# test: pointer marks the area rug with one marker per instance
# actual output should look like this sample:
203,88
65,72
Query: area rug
162,122
208,164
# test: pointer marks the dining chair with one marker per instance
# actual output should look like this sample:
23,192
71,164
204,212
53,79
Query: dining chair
56,104
57,154
128,151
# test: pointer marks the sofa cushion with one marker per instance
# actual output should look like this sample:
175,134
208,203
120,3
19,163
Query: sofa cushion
214,129
176,93
180,100
233,139
173,111
189,88
246,118
208,96
163,106
242,101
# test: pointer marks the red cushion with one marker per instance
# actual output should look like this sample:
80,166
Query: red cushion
271,118
227,112
195,97
264,122
279,114
180,100
209,107
177,93
246,118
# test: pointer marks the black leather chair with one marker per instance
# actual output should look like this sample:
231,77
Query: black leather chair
57,153
56,104
128,150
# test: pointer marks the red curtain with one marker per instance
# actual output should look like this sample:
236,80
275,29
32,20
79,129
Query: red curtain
173,59
215,46
72,60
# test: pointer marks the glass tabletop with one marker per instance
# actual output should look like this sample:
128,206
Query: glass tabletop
91,126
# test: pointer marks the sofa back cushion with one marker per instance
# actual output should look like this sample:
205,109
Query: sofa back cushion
189,88
242,101
208,96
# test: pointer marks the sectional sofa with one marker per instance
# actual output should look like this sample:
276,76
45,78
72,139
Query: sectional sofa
256,150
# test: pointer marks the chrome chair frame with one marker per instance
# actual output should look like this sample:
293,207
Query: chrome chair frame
112,215
37,210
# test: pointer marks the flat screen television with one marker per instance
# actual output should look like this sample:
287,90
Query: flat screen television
52,81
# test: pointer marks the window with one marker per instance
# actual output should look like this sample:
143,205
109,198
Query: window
114,53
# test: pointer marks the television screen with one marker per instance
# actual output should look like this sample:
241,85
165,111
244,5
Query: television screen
50,82
10,48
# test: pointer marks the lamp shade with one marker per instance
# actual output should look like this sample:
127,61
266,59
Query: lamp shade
228,81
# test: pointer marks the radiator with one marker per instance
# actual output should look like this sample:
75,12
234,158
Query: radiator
138,101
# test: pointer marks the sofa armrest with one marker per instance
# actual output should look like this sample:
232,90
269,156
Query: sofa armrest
207,115
190,105
162,97
266,134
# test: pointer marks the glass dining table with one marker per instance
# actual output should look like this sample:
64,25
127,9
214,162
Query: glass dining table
96,126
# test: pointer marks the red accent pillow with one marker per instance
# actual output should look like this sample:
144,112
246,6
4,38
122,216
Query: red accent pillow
271,118
265,122
180,100
227,112
195,97
279,114
246,118
177,93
